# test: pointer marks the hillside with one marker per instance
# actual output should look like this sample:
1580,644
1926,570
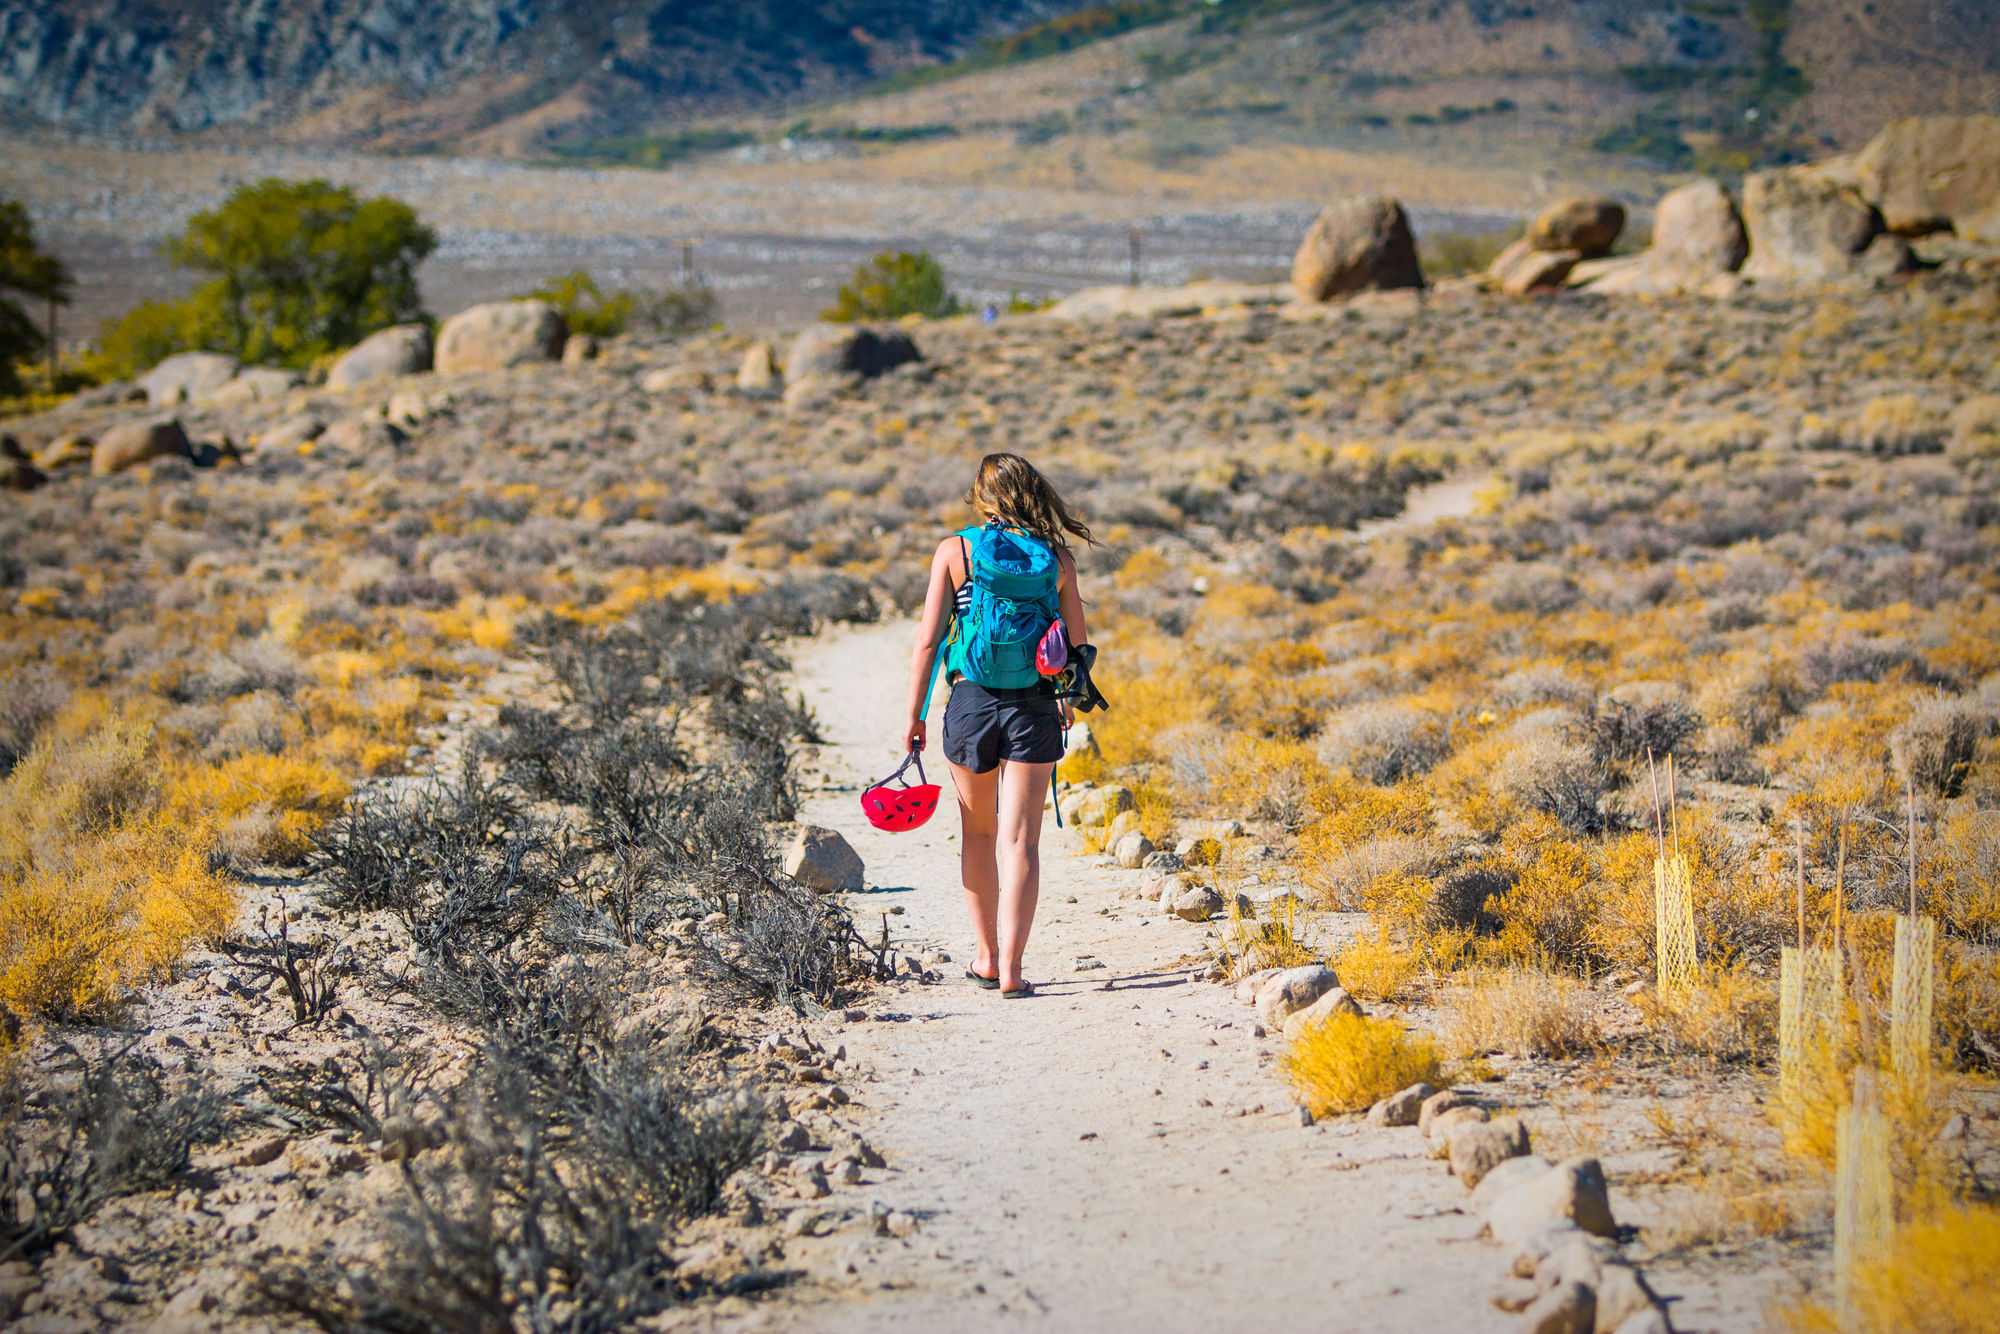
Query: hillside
1176,85
397,76
1575,86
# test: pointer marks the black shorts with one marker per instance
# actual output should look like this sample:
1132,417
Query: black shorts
983,727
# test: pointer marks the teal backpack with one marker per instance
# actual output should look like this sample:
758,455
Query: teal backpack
1014,579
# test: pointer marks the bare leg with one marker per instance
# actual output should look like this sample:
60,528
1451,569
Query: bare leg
1022,787
978,825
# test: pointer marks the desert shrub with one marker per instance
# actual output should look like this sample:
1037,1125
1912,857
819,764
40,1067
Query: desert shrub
1730,1014
783,945
299,269
1728,755
1755,698
1968,1004
1964,874
1897,424
1536,587
1377,966
891,285
1344,874
118,1126
1975,429
1196,755
1848,657
569,1157
1282,781
1547,914
1642,718
1541,768
1740,911
1349,1062
1385,742
1466,898
276,802
675,310
99,888
585,309
29,701
65,790
1541,684
1935,747
1522,1012
1935,1276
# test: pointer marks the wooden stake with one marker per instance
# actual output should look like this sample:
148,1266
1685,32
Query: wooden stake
1659,831
1673,805
1799,828
1840,884
1912,788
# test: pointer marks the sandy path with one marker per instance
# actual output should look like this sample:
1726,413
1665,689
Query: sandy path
1093,1158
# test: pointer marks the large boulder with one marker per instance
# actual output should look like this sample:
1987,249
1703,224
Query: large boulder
1132,849
758,376
259,384
1697,236
1588,225
848,349
1195,903
1122,302
1295,989
823,861
1357,245
1929,173
1806,224
1573,1189
185,376
1521,268
1477,1147
134,443
1400,1109
501,334
1332,1003
402,350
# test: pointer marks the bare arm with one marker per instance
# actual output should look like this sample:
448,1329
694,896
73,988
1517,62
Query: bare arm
1070,600
923,654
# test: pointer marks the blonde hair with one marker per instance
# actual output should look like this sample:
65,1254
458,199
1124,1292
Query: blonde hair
1011,491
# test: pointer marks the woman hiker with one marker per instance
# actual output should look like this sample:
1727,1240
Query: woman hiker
1003,724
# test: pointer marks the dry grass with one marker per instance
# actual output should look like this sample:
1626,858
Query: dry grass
1936,1277
1375,966
1522,1012
1349,1062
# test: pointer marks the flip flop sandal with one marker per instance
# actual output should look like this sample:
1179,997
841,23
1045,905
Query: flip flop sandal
1025,989
987,983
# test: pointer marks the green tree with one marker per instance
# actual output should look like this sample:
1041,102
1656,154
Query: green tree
300,269
25,272
893,284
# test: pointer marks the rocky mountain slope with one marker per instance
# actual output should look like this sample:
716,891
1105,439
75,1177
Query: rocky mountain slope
1664,81
400,73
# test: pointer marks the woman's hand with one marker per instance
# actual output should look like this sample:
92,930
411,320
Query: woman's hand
915,735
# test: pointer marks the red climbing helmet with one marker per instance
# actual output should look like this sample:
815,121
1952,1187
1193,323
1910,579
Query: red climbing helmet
897,809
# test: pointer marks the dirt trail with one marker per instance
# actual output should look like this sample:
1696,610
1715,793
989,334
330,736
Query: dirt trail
1116,1152
1112,1153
